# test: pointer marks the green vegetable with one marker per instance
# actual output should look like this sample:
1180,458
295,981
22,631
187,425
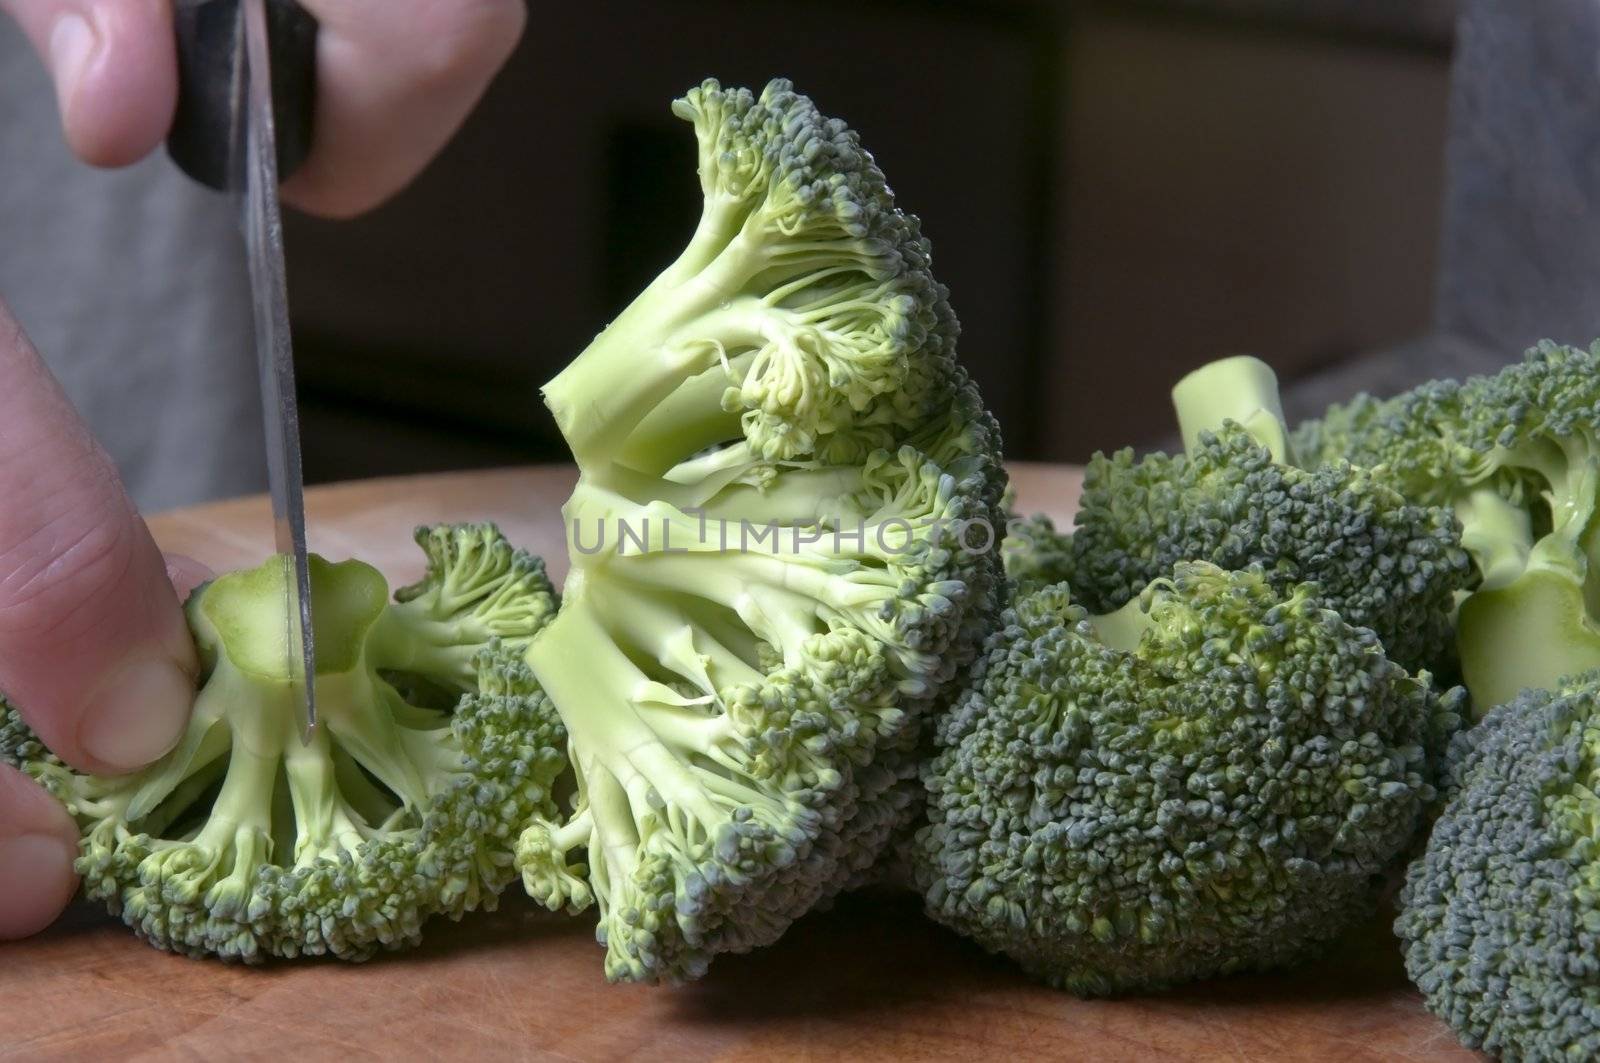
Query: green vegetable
1517,456
1500,918
1035,553
244,843
1209,780
1235,499
770,578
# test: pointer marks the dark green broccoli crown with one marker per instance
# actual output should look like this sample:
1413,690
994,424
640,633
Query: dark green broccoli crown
1531,427
1217,799
1381,561
1500,917
1415,438
1519,429
1343,432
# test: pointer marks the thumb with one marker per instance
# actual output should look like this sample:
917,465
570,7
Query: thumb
94,650
115,69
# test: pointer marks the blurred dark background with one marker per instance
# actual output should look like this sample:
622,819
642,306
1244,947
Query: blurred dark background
1116,192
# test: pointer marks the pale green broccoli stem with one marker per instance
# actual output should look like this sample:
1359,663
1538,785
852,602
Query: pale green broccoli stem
798,498
1497,533
544,858
375,806
641,358
1242,389
613,842
579,662
238,831
419,644
325,825
698,756
784,599
689,652
715,466
205,742
689,420
361,717
1532,622
203,776
676,330
1124,628
1530,633
710,489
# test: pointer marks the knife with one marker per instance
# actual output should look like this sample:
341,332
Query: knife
246,85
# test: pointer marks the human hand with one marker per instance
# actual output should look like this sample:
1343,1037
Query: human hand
94,651
395,80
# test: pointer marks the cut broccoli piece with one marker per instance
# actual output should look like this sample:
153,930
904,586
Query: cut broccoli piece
1516,455
245,843
1208,780
782,471
1500,917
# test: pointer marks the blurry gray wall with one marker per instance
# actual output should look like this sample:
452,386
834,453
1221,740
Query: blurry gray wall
1519,256
1115,192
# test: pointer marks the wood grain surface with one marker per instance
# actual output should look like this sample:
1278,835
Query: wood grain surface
869,979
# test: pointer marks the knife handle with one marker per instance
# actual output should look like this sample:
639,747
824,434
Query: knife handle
210,43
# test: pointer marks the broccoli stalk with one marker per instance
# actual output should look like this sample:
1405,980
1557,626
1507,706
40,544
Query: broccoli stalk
245,842
777,454
1241,389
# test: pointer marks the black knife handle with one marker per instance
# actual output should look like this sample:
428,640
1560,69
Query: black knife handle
210,64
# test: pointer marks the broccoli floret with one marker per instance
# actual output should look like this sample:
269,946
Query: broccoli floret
782,548
1206,781
1034,553
1235,498
1342,434
1500,917
434,746
1517,456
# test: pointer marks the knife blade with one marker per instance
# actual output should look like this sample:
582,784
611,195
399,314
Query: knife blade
230,53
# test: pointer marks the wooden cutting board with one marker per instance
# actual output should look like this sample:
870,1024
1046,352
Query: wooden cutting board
870,979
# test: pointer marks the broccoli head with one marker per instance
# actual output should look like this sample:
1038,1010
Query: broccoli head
1208,780
782,549
1516,455
1235,499
1500,916
1034,553
434,746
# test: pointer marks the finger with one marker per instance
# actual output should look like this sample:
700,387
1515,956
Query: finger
38,844
185,574
395,80
115,71
94,651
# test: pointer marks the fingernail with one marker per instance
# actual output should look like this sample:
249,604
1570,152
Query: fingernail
72,45
36,882
137,714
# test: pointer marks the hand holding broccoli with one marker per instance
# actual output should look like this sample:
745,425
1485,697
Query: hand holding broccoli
92,641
